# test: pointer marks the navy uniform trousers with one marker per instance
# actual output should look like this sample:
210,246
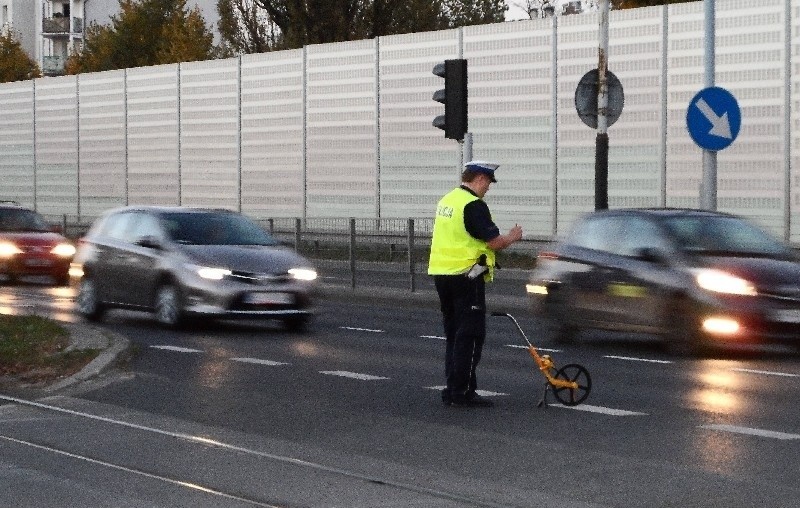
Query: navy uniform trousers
463,303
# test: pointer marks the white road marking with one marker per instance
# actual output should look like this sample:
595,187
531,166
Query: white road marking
189,485
433,337
484,393
258,361
632,359
546,350
602,410
361,329
767,372
353,375
250,451
178,349
752,432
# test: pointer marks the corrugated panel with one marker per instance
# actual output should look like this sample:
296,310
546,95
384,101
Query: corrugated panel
153,166
102,141
685,77
635,153
57,146
341,157
272,134
16,142
795,123
417,163
210,133
577,55
511,118
749,64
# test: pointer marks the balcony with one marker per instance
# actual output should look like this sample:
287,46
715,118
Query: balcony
55,26
53,65
58,26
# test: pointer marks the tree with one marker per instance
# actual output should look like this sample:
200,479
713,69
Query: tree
265,25
15,64
475,12
145,32
186,38
245,27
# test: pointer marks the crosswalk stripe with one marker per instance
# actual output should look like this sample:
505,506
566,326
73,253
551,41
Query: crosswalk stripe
353,375
752,432
767,372
633,359
483,393
178,349
258,361
601,410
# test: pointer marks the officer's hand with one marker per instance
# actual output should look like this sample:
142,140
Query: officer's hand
515,234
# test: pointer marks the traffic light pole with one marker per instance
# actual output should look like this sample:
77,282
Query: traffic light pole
467,148
601,141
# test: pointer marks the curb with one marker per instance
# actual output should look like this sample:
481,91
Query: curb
108,357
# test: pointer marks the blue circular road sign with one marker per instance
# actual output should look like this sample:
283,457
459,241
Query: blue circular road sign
713,118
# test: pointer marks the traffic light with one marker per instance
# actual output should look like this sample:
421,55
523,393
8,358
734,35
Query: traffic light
454,97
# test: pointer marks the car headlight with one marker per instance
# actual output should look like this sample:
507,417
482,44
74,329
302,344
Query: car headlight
719,281
8,249
303,273
212,273
64,250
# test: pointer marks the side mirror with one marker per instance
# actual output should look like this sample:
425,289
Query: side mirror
150,242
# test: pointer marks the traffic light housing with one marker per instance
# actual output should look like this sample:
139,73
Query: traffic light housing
454,97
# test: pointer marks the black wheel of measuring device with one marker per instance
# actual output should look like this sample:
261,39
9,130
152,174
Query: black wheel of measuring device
578,374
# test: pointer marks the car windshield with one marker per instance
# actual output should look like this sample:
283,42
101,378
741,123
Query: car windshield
214,228
21,220
723,235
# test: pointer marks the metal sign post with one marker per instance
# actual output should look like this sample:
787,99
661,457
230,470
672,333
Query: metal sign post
708,186
601,141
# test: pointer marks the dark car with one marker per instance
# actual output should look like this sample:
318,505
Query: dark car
695,277
30,246
179,262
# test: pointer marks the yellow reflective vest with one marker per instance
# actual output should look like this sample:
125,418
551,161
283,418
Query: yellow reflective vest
453,249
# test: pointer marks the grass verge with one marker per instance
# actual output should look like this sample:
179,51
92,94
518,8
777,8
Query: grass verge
33,350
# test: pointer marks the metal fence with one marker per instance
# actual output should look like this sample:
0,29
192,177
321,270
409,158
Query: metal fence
344,130
394,250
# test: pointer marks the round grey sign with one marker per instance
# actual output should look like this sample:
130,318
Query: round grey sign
586,98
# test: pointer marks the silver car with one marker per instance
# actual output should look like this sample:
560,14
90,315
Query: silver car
179,262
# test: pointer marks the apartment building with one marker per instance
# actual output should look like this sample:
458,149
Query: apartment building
49,30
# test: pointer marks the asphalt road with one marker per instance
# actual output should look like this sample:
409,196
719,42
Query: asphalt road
348,414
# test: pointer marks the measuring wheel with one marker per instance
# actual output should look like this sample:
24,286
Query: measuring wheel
574,373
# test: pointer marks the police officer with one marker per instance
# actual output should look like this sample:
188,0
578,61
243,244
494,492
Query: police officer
462,260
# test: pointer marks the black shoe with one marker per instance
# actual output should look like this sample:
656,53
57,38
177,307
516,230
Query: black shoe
473,400
447,400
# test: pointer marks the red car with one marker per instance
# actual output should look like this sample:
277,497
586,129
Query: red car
31,246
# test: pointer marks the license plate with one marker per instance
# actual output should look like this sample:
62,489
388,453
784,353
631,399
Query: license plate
786,315
38,262
269,298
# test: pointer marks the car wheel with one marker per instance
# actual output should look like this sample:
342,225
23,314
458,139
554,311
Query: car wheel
683,336
89,306
168,306
561,331
296,324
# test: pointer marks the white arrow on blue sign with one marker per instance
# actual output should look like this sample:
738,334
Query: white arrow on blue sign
713,118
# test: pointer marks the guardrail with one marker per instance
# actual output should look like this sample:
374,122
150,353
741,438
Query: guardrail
356,246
